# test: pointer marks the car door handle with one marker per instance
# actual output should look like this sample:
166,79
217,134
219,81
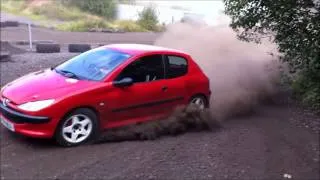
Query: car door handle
164,88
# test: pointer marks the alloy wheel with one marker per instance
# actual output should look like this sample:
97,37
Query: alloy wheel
77,128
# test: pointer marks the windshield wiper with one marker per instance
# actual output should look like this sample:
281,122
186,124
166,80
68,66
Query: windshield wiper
68,74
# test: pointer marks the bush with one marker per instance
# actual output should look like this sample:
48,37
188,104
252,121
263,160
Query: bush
148,19
84,25
105,8
307,89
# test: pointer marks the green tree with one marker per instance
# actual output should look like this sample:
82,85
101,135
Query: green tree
295,26
148,19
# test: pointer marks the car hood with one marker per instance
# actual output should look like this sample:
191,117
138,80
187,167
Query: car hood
41,85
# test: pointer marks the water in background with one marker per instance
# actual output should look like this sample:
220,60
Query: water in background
170,14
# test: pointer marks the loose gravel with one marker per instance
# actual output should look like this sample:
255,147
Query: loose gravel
23,64
268,144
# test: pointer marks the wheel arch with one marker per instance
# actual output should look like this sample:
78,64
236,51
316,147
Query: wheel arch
82,107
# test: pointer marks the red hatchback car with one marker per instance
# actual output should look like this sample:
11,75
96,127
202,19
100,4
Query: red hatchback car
106,87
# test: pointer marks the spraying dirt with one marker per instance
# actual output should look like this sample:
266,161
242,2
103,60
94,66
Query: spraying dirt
241,74
184,119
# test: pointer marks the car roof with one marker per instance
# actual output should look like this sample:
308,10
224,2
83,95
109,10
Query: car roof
136,49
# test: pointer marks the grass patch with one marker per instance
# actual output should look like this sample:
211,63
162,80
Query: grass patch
52,10
128,25
20,8
13,7
100,24
57,11
84,25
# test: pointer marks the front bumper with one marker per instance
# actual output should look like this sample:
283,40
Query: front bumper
19,118
31,126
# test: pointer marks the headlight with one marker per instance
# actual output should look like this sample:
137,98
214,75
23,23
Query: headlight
36,105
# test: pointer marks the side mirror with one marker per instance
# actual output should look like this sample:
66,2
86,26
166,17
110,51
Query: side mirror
123,82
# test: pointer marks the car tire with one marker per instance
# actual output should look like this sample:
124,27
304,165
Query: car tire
199,100
78,48
5,56
9,24
86,125
47,48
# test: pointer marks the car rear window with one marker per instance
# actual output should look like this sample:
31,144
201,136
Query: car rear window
176,66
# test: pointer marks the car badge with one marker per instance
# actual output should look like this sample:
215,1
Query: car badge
5,101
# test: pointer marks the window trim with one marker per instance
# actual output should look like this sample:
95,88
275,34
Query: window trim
166,61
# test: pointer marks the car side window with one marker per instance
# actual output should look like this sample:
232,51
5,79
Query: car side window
146,69
177,66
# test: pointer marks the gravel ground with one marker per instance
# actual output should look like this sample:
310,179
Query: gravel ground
268,144
25,63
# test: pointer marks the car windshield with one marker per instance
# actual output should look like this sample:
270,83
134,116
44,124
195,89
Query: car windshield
92,65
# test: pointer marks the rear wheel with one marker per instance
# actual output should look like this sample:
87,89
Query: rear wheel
79,127
199,102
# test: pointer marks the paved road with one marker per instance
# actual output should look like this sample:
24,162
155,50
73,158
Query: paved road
42,34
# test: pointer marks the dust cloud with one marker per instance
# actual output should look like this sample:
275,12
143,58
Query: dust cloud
241,75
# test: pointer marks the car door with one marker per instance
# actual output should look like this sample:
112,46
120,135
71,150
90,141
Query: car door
145,97
176,69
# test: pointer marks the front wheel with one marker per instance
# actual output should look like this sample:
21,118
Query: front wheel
79,127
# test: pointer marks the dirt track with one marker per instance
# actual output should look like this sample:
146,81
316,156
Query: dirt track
265,145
